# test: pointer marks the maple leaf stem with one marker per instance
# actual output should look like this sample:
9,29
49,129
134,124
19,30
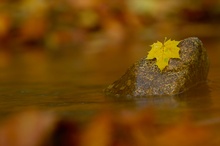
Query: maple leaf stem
165,39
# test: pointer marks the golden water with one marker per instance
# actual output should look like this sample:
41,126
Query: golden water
70,82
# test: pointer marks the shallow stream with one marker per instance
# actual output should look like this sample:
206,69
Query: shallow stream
71,83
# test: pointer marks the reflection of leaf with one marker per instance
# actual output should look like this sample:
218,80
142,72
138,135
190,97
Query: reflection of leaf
163,52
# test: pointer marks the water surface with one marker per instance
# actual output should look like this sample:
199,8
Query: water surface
71,83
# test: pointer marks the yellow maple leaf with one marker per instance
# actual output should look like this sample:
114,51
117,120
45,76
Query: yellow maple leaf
163,52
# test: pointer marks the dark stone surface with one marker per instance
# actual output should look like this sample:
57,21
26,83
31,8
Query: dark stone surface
145,79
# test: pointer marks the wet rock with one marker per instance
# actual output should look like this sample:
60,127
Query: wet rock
145,79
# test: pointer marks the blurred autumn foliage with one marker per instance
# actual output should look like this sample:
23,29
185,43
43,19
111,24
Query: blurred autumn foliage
37,128
74,22
69,23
